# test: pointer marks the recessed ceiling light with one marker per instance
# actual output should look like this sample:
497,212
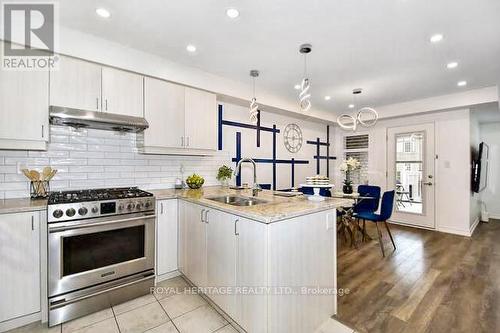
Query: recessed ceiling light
327,98
103,12
436,38
462,83
232,13
296,87
351,106
452,65
191,48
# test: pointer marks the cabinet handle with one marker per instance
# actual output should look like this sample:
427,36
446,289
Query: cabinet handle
43,131
182,141
236,233
106,103
201,215
187,141
161,208
206,216
97,103
32,222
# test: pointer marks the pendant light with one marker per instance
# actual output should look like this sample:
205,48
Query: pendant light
305,95
253,103
349,122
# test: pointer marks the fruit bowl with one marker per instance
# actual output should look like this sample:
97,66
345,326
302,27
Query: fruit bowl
195,181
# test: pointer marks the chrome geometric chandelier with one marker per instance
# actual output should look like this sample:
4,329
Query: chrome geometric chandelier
253,103
365,116
305,86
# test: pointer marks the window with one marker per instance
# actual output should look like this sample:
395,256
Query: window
407,147
356,146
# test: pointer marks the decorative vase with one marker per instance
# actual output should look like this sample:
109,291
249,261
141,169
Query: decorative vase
224,183
347,189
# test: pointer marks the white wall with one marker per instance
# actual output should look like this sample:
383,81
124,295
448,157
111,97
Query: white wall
310,131
490,133
452,174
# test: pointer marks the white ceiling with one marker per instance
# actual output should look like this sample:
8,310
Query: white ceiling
381,46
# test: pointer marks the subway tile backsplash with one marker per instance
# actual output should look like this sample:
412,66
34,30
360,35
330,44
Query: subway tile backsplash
89,158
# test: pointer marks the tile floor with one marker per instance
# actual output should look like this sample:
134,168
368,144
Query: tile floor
168,310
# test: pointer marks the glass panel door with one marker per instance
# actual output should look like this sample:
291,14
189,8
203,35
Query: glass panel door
410,172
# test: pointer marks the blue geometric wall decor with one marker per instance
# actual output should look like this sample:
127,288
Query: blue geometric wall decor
274,160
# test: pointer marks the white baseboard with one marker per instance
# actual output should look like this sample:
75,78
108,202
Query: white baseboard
167,276
454,231
19,321
494,216
474,225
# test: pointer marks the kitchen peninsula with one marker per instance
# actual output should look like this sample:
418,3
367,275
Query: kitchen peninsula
277,258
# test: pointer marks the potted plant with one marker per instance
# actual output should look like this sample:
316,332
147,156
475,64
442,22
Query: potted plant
347,166
224,175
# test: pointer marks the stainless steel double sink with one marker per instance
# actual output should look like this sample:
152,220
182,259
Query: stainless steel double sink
235,200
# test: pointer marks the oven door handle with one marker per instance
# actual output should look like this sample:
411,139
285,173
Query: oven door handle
97,224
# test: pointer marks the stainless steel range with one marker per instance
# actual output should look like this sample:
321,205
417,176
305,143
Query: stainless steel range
101,249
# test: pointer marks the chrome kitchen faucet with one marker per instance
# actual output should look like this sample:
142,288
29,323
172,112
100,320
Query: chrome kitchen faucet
256,187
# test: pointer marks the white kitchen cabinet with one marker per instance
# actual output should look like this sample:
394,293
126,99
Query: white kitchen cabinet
76,84
252,273
19,265
195,246
163,108
122,92
24,109
166,236
261,260
222,259
200,119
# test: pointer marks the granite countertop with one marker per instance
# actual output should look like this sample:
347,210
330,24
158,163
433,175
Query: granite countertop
274,209
22,205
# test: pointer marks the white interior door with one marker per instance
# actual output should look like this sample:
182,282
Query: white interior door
410,166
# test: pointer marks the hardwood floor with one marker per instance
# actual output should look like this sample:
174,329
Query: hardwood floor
433,282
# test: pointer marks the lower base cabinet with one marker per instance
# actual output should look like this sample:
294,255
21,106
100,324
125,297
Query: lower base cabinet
166,236
244,264
228,255
19,265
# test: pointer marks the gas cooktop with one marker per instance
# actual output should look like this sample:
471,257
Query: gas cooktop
63,197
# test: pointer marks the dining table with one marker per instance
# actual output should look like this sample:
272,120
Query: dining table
346,224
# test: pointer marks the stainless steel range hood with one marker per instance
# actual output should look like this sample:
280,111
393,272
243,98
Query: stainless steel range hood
95,119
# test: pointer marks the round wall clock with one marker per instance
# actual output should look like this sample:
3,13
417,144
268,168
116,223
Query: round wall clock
292,136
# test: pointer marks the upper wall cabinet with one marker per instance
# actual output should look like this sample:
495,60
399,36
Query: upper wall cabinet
84,85
76,84
182,120
163,108
24,106
201,119
122,92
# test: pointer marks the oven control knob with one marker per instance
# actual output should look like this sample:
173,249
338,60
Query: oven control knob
83,211
57,213
95,210
70,212
130,206
138,206
121,207
147,204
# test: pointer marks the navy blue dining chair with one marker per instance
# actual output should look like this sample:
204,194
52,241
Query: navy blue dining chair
366,205
324,192
386,209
